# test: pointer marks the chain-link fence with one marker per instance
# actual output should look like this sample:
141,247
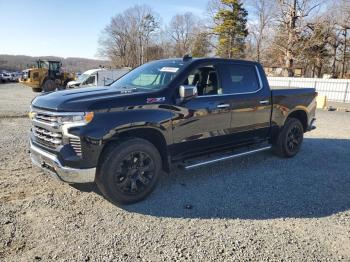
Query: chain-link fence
336,90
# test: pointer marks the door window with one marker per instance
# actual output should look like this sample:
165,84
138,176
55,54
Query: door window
90,80
205,79
240,79
54,66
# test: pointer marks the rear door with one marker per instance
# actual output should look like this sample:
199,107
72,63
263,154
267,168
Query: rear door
250,101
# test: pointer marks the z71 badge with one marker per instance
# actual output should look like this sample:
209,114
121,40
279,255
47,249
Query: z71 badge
153,100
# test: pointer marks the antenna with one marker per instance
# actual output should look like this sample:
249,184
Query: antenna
187,57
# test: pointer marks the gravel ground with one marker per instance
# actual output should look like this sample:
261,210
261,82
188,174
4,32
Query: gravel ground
255,208
15,100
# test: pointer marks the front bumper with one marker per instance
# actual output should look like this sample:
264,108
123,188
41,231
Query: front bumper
51,165
29,83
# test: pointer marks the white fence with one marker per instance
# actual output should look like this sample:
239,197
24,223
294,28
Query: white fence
337,90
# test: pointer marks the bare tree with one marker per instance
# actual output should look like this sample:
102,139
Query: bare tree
182,31
292,14
113,42
201,44
149,25
344,23
260,26
126,39
315,44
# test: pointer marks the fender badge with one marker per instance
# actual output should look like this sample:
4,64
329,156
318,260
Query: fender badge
155,100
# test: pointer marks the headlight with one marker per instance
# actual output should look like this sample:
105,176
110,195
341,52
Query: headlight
83,118
31,115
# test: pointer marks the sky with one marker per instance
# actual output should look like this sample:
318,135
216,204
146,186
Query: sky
71,28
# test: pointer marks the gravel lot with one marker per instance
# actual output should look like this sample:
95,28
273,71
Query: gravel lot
15,100
255,208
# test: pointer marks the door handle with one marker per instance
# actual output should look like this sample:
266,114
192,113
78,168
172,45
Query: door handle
264,102
223,106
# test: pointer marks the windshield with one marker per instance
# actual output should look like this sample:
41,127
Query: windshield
43,64
82,77
151,76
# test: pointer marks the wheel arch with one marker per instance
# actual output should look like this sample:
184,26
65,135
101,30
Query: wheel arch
150,134
301,115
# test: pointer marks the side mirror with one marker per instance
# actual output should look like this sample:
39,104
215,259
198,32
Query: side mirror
187,92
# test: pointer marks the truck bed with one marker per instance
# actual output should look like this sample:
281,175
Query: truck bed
287,87
278,91
290,99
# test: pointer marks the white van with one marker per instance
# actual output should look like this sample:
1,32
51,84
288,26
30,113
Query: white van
97,77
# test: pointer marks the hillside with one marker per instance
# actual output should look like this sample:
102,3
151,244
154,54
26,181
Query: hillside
73,64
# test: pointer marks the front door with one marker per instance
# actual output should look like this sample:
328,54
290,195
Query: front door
204,121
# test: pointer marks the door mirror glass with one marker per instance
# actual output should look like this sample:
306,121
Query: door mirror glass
187,91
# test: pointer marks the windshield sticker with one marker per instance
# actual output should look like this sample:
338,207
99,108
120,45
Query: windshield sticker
169,69
153,100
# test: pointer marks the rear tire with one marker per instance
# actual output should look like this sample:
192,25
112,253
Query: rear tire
289,140
49,85
128,172
36,90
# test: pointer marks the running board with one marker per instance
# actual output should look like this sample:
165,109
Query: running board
211,161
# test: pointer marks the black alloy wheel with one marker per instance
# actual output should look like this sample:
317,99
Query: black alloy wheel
289,140
134,173
129,170
294,138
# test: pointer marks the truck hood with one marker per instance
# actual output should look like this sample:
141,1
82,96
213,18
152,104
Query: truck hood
74,82
82,99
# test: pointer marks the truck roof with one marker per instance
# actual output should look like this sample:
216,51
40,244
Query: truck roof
91,71
210,59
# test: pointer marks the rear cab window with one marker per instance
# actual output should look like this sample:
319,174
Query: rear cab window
238,79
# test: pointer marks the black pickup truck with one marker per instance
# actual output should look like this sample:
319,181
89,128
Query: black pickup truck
165,114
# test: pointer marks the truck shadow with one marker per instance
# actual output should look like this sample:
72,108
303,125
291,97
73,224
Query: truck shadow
316,183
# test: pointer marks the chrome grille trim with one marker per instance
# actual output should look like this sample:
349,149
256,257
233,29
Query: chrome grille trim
43,131
52,139
50,113
45,118
76,145
48,130
45,124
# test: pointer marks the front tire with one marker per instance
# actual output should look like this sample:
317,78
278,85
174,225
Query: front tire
289,140
49,85
128,172
36,90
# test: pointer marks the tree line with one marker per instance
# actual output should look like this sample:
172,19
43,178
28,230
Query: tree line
70,64
288,34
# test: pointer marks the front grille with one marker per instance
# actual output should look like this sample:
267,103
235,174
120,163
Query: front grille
46,129
46,137
76,145
46,117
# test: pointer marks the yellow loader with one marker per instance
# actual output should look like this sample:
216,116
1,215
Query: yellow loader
47,76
